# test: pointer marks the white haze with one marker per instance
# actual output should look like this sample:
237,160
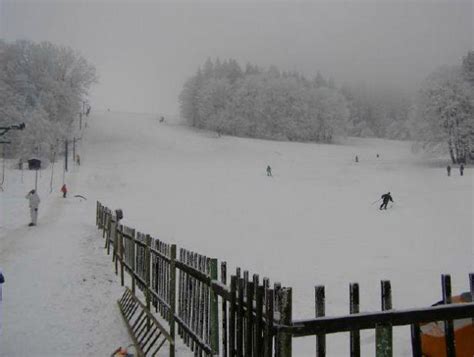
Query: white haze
144,51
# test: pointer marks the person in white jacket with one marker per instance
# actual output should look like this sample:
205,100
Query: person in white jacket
34,199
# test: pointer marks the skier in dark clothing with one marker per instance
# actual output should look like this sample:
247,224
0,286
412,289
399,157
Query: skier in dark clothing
449,170
269,171
461,170
386,199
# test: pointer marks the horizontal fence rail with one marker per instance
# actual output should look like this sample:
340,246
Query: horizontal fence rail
235,315
328,325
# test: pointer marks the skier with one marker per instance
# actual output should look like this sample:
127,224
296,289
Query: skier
449,170
78,160
34,199
461,170
378,156
357,159
269,171
386,198
64,190
2,280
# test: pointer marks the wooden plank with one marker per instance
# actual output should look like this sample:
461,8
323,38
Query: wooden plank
285,345
363,321
201,292
448,324
172,309
232,315
188,299
224,311
195,299
249,318
269,313
258,344
240,319
354,309
416,341
214,309
320,303
180,292
207,312
383,332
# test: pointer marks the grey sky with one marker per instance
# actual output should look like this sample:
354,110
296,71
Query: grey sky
144,51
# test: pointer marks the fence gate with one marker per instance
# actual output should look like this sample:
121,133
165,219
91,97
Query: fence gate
147,333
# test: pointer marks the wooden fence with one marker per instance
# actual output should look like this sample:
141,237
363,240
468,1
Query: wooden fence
238,315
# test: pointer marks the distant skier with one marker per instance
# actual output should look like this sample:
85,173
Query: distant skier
34,200
78,160
64,190
461,170
162,119
269,171
386,198
378,156
2,280
448,168
357,159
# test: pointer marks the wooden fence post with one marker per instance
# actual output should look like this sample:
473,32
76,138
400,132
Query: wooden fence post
249,318
285,339
110,225
133,250
383,333
416,340
214,311
97,210
224,310
269,314
172,297
147,261
113,230
354,309
320,302
121,249
232,313
258,345
116,246
448,325
240,318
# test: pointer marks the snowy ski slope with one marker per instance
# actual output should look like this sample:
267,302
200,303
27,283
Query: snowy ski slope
312,223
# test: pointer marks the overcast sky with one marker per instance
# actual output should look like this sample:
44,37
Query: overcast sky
144,51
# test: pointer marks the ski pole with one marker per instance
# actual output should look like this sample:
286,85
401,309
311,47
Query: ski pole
375,202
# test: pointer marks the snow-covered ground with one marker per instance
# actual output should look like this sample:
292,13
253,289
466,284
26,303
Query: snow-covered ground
312,223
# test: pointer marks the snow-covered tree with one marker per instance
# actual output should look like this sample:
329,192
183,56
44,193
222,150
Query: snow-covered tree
445,113
42,85
262,103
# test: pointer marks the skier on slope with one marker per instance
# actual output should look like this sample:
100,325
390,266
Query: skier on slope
461,170
64,190
386,198
269,171
34,199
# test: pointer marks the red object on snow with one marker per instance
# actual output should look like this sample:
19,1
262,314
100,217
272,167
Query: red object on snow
64,189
